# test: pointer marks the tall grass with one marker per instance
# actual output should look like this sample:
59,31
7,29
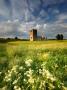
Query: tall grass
33,66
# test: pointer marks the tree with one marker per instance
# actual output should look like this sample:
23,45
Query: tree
61,37
58,37
16,38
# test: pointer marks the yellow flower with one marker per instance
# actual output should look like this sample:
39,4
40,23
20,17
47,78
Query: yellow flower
45,55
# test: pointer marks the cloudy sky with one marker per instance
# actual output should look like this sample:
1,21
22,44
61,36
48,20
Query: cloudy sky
17,17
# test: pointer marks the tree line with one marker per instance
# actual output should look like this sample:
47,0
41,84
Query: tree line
3,40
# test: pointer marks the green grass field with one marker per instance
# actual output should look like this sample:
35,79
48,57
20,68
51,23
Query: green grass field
38,65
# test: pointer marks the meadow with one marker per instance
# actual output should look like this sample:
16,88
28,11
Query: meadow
37,65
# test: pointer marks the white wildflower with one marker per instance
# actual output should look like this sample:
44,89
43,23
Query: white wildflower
8,79
19,74
43,64
47,73
21,67
28,62
41,85
65,66
0,73
24,80
29,73
40,71
43,72
31,80
53,78
14,68
9,75
56,65
4,88
8,71
15,81
64,88
17,88
51,85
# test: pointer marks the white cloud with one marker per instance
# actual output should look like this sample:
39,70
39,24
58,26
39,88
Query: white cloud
25,27
8,28
61,18
45,25
38,26
12,29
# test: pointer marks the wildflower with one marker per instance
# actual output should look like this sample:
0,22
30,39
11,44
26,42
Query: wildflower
0,73
51,86
45,55
8,79
24,80
47,73
4,88
56,65
42,83
43,72
65,66
28,73
21,67
53,78
40,71
64,88
31,80
14,68
17,88
19,74
43,64
9,74
28,62
15,81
